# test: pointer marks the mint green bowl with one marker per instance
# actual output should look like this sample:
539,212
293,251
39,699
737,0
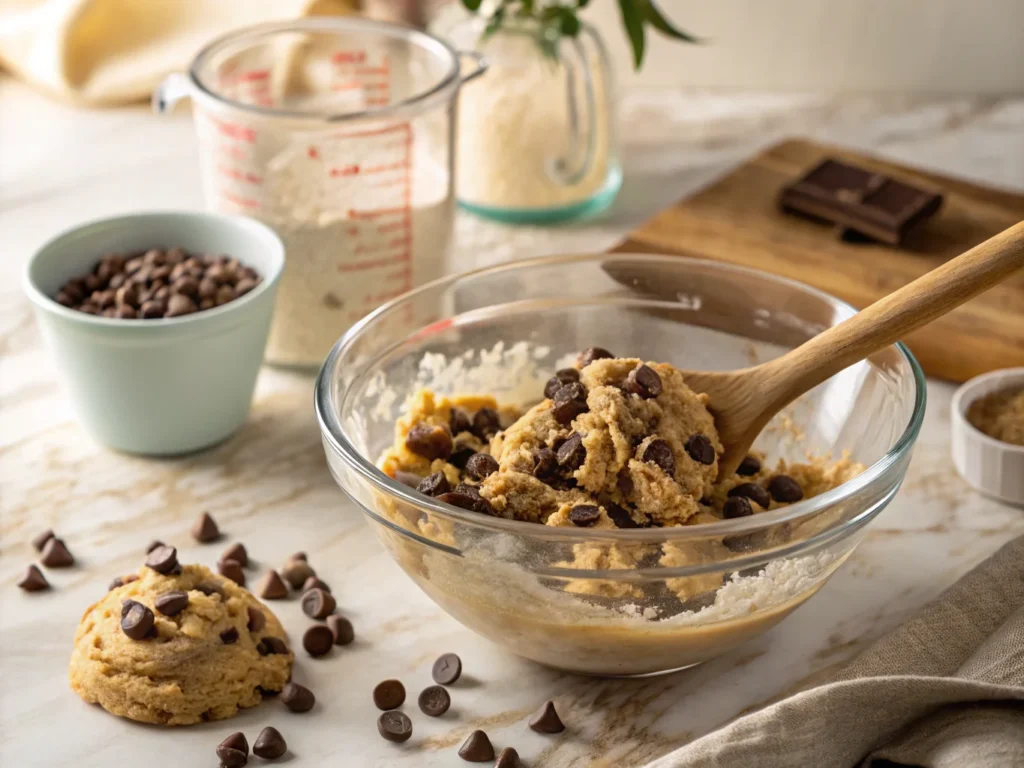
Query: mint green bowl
163,386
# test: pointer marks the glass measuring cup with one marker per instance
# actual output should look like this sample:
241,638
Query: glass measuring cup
338,134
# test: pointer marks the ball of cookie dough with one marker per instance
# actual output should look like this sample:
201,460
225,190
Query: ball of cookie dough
200,661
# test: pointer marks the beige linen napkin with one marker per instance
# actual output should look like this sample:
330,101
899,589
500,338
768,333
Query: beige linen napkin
944,690
115,51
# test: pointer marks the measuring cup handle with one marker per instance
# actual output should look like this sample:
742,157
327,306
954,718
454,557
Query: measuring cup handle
479,63
173,89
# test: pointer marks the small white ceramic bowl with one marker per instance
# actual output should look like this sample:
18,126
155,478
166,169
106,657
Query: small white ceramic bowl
989,465
161,386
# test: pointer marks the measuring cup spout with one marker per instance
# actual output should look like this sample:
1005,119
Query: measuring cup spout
173,89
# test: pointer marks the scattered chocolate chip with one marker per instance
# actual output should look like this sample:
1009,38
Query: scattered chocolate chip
32,580
314,583
429,441
318,603
162,559
571,454
298,698
434,485
389,694
486,423
459,422
394,726
700,449
750,465
619,515
783,488
752,491
205,529
318,640
210,588
56,554
233,751
40,541
257,620
508,758
587,356
460,455
546,719
153,545
270,744
229,636
296,571
544,463
434,701
233,570
659,452
136,619
643,381
467,497
268,646
736,506
447,669
569,402
584,515
272,587
481,465
477,748
172,603
237,553
341,629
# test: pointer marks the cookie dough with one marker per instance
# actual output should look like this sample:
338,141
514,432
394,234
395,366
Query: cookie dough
201,663
1000,415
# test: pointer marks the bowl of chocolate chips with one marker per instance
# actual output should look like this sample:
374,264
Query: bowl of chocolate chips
157,323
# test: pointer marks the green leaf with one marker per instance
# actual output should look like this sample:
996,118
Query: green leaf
657,20
633,21
495,22
472,5
568,22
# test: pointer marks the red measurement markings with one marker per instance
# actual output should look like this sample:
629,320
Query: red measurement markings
234,173
360,266
346,170
349,57
243,202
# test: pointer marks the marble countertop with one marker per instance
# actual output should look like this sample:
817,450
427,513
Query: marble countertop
269,487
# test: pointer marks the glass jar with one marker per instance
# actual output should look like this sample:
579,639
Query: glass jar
536,142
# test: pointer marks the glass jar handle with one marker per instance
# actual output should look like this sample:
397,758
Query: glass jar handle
578,159
480,65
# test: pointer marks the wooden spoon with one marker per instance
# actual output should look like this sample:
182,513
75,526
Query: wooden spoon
744,401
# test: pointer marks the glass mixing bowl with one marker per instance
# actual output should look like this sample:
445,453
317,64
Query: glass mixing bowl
622,602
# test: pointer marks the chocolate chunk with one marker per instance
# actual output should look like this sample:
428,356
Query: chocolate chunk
447,669
571,454
229,636
429,441
477,748
257,620
643,381
569,402
233,751
750,465
318,603
460,455
314,583
486,423
481,465
434,701
784,489
508,758
467,497
237,553
162,559
120,581
434,485
389,694
560,379
233,570
153,545
136,619
752,491
40,541
394,726
737,506
659,452
295,572
584,515
545,463
56,554
341,629
587,356
458,422
210,588
546,719
205,529
32,580
172,603
317,640
270,744
298,698
271,645
619,515
700,449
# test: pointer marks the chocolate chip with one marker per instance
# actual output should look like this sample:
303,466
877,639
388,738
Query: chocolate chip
737,506
467,497
643,381
205,529
153,545
544,463
152,308
587,356
560,379
447,669
257,620
546,719
389,694
317,640
179,305
486,423
318,603
229,636
120,581
269,646
783,488
162,559
40,541
571,454
172,603
460,455
700,449
237,553
569,402
429,441
434,485
659,452
434,701
314,583
270,744
459,422
233,751
233,570
295,572
341,629
584,515
619,515
298,556
750,465
210,588
508,758
481,465
394,726
33,580
298,698
56,554
752,491
477,748
136,619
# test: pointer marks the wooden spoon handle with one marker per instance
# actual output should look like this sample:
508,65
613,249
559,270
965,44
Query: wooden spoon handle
895,315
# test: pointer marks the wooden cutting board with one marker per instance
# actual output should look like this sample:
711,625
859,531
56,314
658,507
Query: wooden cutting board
737,220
